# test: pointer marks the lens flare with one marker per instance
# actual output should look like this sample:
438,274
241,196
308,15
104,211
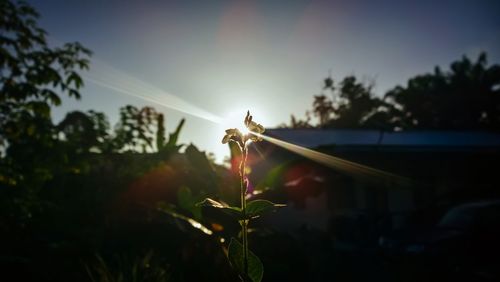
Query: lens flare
106,76
348,167
234,120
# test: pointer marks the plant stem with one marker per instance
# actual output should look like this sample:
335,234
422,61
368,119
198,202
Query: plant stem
244,224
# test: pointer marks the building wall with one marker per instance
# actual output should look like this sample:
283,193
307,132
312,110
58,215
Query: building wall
437,177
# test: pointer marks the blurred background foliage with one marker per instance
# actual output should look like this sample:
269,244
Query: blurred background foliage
78,199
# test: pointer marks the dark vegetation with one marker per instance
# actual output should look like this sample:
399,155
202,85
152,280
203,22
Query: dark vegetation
82,201
466,97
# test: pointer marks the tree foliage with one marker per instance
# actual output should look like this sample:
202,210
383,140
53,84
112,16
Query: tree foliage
467,97
298,123
32,73
34,150
351,105
136,128
81,190
355,104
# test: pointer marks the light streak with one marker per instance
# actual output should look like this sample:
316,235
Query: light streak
348,167
111,78
106,76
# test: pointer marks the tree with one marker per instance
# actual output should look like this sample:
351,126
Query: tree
31,72
351,105
356,104
144,130
465,97
298,123
136,129
323,109
85,132
33,75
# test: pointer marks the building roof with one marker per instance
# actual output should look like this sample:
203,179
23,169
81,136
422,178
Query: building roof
312,138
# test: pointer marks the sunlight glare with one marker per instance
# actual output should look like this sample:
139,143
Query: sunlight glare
109,77
352,168
235,120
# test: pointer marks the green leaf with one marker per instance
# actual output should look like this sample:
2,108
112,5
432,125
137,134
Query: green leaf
75,79
39,108
187,201
236,258
174,136
233,211
185,197
259,207
168,209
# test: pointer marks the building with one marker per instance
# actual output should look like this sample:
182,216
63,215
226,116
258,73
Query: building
443,167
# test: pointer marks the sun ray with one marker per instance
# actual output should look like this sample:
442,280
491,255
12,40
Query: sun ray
106,76
111,78
352,168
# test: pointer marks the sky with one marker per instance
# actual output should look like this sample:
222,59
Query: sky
210,61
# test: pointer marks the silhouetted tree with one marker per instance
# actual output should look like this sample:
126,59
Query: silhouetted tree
351,105
102,131
31,72
298,123
78,130
86,132
136,129
32,76
160,132
355,105
466,97
143,130
323,109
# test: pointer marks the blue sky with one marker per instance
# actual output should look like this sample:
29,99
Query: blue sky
266,56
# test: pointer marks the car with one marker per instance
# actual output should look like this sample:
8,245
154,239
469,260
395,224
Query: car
465,240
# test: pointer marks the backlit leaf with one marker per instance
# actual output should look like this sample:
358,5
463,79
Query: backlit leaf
233,211
236,258
259,207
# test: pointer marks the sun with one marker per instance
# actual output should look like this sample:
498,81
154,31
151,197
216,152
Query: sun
235,120
232,119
